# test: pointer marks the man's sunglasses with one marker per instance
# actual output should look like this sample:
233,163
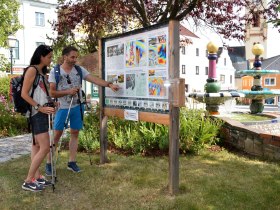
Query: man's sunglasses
68,80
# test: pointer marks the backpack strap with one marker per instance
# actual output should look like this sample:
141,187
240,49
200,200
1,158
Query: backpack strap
80,72
36,80
57,73
34,86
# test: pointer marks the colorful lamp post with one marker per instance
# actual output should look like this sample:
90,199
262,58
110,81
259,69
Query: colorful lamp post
256,105
212,96
212,85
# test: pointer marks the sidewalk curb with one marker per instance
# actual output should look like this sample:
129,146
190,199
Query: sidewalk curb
15,147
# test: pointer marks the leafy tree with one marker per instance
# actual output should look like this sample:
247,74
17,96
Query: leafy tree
9,22
276,18
92,18
4,63
96,18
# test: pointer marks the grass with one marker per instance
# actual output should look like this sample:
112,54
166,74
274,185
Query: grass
248,117
213,180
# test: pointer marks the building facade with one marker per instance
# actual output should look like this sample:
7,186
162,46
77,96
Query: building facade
35,16
194,64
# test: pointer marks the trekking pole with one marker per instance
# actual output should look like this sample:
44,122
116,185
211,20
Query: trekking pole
54,155
52,146
64,128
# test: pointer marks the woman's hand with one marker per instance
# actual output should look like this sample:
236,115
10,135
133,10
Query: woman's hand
46,109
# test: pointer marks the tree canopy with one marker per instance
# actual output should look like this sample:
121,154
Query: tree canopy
96,18
9,22
275,19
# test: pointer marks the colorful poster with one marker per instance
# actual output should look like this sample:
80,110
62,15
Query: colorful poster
162,50
153,52
162,54
157,50
118,79
156,86
130,54
141,54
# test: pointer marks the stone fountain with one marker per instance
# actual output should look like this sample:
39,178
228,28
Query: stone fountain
257,94
255,140
212,96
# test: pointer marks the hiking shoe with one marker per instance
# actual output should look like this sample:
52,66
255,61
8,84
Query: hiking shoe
42,181
73,167
32,186
48,169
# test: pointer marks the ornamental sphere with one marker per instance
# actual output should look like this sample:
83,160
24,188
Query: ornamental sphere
257,49
212,48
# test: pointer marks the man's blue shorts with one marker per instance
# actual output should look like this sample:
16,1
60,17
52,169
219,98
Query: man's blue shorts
75,118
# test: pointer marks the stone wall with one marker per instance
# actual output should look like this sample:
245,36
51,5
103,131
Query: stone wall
251,140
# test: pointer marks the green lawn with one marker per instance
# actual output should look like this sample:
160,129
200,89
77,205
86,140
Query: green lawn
213,180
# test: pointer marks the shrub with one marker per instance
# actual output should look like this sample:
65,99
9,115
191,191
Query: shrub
5,87
137,137
11,123
197,130
89,136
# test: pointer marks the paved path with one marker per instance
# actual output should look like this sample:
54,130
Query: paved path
14,147
271,128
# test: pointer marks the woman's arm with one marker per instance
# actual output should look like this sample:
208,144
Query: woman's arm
27,85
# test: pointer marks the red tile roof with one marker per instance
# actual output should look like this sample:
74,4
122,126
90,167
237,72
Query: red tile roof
186,32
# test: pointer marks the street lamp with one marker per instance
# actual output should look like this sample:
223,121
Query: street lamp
12,44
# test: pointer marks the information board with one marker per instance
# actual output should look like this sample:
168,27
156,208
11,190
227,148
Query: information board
137,62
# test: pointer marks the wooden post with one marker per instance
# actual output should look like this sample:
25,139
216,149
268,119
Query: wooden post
173,185
103,118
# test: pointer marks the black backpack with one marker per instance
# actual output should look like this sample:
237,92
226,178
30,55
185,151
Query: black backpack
20,105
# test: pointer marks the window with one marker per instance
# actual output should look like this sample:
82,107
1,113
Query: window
206,71
187,88
197,70
40,19
39,43
230,79
183,50
256,20
183,69
269,82
222,79
225,61
197,51
16,50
